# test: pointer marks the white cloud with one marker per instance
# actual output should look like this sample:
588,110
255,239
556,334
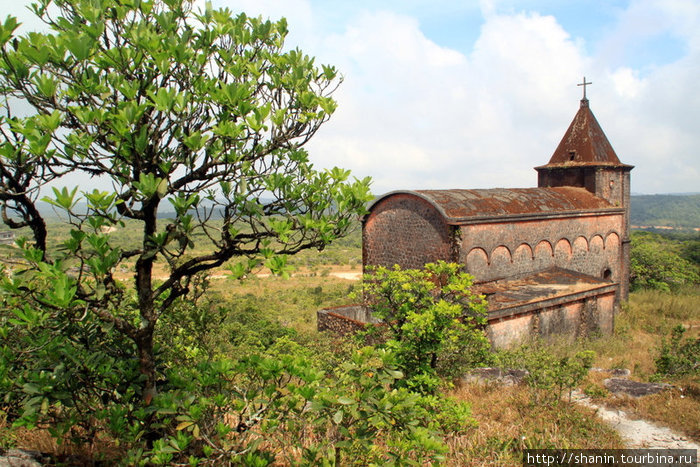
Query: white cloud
485,118
424,116
414,114
651,114
627,83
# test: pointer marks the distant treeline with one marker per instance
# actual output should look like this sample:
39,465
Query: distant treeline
679,211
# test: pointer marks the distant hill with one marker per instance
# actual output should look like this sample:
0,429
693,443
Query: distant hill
678,211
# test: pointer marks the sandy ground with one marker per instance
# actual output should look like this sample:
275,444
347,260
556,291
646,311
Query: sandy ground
339,272
348,275
638,433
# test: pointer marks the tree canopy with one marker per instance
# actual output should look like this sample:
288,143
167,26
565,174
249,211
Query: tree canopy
204,113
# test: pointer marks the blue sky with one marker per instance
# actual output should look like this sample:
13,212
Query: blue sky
473,94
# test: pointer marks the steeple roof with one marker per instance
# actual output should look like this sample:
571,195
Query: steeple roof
584,143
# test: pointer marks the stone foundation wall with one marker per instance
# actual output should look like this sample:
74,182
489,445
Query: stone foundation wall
575,316
572,317
344,320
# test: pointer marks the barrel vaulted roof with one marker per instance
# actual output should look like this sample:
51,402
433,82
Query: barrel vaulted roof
459,206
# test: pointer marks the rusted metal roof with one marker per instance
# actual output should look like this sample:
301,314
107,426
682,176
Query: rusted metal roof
462,205
545,285
584,143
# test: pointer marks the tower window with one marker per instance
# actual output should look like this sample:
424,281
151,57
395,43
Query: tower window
572,155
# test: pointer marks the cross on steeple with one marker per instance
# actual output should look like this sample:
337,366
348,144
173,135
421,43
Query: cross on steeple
584,84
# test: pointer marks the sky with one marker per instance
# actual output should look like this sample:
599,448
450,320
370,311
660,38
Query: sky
447,94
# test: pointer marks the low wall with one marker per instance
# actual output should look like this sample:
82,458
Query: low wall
344,320
576,315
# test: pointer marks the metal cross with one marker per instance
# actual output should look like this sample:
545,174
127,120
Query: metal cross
584,87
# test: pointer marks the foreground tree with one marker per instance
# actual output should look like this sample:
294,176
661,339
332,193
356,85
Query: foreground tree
198,113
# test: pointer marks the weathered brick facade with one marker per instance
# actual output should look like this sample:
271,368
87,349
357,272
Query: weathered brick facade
405,230
552,259
344,320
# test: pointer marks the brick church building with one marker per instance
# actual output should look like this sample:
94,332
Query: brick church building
550,260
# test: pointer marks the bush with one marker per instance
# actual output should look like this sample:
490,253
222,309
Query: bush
434,321
656,263
678,356
550,376
61,368
272,408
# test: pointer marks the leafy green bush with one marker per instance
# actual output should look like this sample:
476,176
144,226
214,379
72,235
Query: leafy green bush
678,356
656,263
267,409
274,400
435,322
60,365
549,375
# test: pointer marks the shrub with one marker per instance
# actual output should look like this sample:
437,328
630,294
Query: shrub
656,263
373,420
276,407
549,375
435,322
60,368
678,356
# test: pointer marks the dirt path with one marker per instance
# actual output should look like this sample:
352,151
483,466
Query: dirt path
638,433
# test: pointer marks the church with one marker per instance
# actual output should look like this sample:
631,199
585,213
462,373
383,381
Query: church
550,260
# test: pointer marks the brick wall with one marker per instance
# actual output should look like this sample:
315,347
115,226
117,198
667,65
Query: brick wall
586,244
577,317
406,230
343,320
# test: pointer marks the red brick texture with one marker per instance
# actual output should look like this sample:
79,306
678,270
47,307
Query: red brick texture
406,230
585,244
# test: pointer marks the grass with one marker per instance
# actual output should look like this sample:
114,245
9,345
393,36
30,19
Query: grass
294,301
509,422
640,328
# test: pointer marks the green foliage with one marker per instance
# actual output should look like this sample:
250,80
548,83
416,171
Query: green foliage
258,411
193,332
691,250
61,367
434,320
549,375
349,398
200,112
361,408
655,263
276,401
679,356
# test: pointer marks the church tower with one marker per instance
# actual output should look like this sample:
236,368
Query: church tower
585,158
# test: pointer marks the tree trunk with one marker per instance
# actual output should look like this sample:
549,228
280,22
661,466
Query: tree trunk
144,290
147,366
